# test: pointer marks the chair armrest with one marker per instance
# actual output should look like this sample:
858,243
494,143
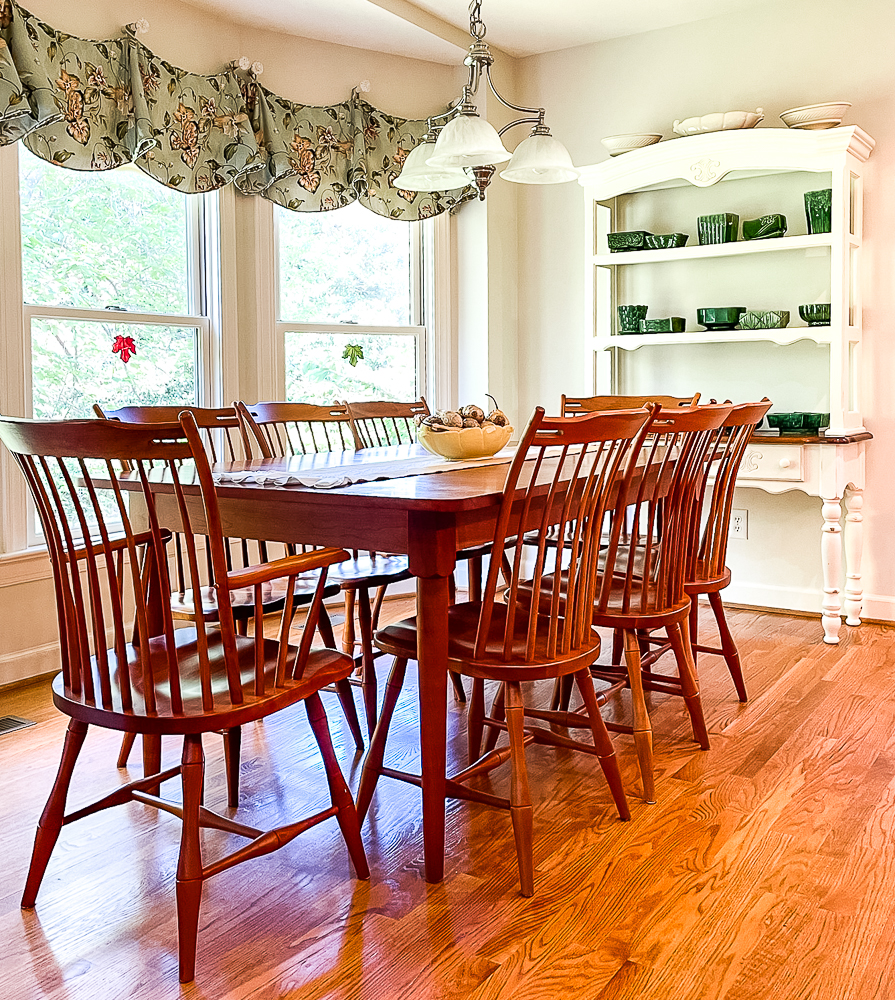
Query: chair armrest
303,562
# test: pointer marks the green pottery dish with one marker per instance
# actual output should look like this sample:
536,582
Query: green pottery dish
773,319
666,241
814,421
629,318
816,313
720,317
819,210
768,227
718,228
786,421
671,324
619,242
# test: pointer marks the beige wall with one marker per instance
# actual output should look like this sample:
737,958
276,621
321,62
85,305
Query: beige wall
776,57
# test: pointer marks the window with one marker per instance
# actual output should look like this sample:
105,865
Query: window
109,260
112,269
350,305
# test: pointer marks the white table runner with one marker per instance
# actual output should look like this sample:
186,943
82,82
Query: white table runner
335,476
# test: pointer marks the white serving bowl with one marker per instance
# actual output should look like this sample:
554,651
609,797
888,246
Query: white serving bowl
617,144
719,121
466,442
815,116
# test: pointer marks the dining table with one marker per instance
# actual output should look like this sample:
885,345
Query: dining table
429,509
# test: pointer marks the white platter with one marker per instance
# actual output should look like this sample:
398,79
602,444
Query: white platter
718,122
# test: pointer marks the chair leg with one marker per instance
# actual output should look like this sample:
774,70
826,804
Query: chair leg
232,746
728,646
459,690
643,732
693,623
603,743
338,790
497,712
368,664
152,758
520,796
618,645
679,637
189,865
475,721
127,744
346,697
348,633
377,605
50,822
376,753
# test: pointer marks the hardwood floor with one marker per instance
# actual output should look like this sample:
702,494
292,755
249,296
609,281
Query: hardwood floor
767,868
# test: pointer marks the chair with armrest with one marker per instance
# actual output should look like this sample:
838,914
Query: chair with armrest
124,665
282,428
220,431
707,572
648,570
567,472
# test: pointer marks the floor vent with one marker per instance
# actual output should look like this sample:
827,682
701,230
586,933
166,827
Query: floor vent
10,723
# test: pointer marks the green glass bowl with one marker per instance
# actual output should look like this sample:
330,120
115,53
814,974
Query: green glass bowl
816,313
620,242
720,317
767,227
786,421
670,324
666,241
771,319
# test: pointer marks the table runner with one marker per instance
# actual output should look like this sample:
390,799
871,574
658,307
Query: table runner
335,476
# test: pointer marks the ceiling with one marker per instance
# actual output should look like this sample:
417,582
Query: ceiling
437,30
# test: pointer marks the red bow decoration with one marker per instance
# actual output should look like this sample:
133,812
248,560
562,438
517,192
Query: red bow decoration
126,346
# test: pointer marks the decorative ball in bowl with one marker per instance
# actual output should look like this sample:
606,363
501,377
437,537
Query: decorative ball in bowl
816,313
617,144
720,317
464,443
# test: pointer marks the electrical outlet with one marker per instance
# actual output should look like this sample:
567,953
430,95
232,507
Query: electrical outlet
739,524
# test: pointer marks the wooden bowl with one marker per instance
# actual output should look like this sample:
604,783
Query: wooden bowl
465,443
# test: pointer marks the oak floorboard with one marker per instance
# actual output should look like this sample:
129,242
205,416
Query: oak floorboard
766,869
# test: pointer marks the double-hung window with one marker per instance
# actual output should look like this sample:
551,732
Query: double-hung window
113,290
350,305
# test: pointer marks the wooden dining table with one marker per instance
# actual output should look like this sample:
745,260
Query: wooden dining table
428,517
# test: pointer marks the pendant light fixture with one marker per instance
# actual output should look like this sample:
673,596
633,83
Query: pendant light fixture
466,142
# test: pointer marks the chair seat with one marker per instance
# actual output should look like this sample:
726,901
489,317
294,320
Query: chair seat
400,640
242,601
704,582
324,666
369,569
642,610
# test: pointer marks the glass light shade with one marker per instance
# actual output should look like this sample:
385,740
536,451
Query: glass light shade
540,159
417,175
468,141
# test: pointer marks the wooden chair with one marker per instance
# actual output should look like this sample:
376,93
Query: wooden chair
301,428
112,580
222,436
382,423
707,572
573,406
648,571
508,643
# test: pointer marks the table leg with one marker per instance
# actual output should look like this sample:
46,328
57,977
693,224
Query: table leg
854,545
432,604
831,555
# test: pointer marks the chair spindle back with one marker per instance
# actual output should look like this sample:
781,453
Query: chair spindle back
383,423
283,428
572,406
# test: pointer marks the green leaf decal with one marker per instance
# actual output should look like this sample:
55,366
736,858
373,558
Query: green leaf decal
352,354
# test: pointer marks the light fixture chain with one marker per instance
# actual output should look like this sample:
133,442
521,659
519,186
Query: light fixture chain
476,25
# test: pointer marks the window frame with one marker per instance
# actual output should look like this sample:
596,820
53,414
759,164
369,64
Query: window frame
206,215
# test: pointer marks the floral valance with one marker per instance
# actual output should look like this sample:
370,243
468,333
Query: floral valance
95,105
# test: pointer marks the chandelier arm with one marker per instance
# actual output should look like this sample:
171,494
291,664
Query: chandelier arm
508,104
539,120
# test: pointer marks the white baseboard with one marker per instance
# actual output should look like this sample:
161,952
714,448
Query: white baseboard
26,664
876,607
